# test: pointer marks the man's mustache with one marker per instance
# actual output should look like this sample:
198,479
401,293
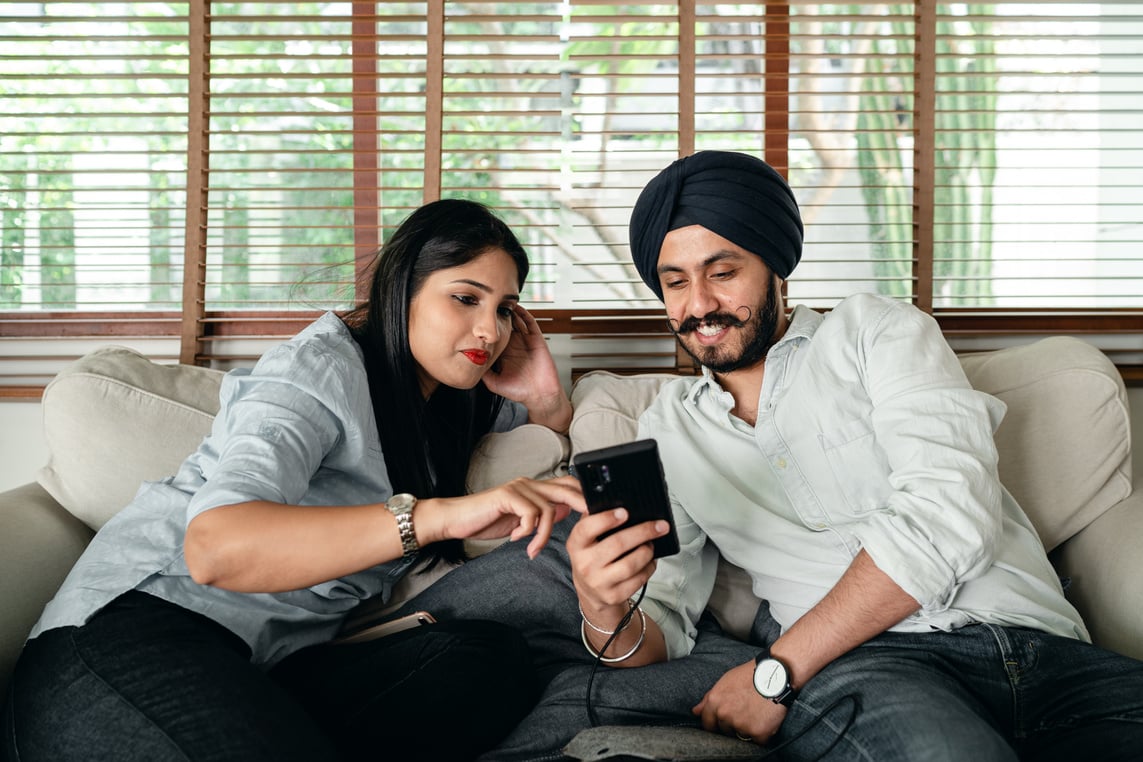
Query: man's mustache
721,319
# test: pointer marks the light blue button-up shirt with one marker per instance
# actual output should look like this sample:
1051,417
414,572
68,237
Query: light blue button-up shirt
297,429
869,436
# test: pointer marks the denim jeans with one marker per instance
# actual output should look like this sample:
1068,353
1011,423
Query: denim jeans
979,693
149,681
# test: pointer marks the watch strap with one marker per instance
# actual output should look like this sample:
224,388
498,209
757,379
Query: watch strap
401,506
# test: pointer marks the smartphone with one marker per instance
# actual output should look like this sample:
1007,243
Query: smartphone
380,630
629,475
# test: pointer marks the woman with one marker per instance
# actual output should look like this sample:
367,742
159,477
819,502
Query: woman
196,624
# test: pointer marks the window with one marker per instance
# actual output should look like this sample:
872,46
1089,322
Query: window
200,178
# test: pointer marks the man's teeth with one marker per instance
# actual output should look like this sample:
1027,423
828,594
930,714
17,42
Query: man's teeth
709,330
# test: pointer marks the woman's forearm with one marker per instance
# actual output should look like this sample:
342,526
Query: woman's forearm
268,547
555,413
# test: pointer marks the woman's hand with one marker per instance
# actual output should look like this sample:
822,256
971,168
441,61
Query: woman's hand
515,510
525,372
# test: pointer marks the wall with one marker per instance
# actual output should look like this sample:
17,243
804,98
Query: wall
23,450
22,446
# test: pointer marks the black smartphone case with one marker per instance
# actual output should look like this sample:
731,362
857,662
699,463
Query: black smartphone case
629,475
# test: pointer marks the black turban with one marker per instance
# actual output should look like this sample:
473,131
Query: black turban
739,197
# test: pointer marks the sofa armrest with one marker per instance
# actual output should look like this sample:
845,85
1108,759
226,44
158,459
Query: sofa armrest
1105,567
39,543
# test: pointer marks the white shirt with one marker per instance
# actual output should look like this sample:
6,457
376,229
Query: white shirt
868,436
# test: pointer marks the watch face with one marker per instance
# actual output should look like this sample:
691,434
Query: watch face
770,678
401,503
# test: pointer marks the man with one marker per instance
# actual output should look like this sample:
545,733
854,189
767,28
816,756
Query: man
846,464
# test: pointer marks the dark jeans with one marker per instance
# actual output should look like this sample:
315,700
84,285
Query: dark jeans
149,681
980,693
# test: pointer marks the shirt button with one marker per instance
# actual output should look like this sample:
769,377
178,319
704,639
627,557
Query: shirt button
780,463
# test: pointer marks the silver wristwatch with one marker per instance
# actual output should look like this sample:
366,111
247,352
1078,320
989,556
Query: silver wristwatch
401,506
772,680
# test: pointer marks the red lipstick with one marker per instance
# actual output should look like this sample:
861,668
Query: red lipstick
478,356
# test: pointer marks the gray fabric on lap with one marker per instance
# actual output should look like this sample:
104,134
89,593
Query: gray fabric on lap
616,742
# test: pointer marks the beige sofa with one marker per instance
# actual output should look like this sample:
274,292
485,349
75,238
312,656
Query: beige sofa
114,419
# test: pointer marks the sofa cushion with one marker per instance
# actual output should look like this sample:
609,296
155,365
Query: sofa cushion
1065,442
607,407
530,450
114,419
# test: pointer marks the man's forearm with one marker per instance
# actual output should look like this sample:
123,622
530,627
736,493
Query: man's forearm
865,602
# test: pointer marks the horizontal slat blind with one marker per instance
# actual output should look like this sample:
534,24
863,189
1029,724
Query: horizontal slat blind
851,136
93,150
626,103
281,156
1039,165
730,77
503,103
982,160
93,143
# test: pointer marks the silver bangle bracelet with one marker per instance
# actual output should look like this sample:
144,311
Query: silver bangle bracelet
615,659
600,630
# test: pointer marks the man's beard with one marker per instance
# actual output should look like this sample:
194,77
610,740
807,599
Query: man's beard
760,329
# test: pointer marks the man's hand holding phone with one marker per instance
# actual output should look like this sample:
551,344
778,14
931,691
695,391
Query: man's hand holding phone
610,563
613,548
612,558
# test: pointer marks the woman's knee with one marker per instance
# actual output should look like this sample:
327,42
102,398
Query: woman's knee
76,700
58,709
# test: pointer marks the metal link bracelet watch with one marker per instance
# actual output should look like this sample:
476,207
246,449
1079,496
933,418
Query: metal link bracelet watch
401,506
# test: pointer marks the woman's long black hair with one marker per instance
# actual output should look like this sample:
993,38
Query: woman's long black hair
427,444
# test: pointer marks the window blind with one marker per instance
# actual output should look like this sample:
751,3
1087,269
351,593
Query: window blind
93,141
1039,160
1038,173
202,178
851,138
288,182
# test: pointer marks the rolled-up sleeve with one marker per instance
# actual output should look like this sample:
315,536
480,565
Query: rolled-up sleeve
941,517
273,431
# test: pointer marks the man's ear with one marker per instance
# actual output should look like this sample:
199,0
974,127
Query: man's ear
779,286
780,290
